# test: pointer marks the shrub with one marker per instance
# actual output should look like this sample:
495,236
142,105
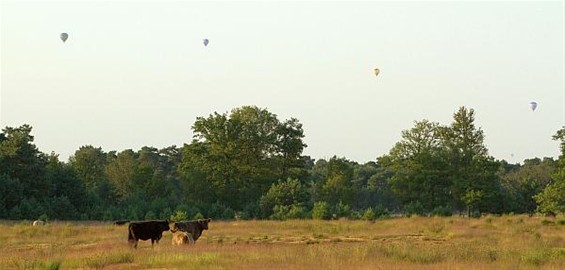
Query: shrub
369,214
250,211
284,212
178,216
414,208
442,211
218,211
190,211
321,210
166,213
342,210
381,212
150,215
356,215
228,213
44,217
283,193
198,216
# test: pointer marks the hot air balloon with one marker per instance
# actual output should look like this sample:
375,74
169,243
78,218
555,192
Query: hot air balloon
205,41
64,36
533,105
377,71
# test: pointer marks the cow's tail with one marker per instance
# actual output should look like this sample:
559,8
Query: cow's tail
131,237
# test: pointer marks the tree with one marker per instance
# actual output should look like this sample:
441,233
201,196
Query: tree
338,185
523,182
158,173
65,182
12,194
241,154
470,166
471,198
90,164
552,199
20,159
124,174
419,167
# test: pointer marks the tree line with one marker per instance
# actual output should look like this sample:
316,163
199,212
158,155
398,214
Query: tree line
249,164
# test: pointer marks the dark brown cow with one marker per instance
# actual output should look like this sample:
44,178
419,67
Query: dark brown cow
193,227
145,230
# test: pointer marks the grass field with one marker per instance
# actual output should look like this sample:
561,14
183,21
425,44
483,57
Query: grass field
507,242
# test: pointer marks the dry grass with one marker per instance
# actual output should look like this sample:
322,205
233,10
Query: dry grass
508,242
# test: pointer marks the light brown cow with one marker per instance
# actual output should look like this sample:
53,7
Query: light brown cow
181,238
38,223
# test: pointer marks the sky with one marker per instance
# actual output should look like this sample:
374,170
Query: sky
135,73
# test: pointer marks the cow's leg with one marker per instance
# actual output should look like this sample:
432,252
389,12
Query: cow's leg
190,238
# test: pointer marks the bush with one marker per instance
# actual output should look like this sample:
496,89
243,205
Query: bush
250,211
150,215
283,193
381,212
228,213
442,211
15,213
414,208
178,216
284,212
369,214
219,211
341,210
107,215
242,215
166,213
356,215
44,217
321,210
190,211
198,216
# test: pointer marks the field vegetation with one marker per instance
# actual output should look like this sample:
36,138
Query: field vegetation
490,242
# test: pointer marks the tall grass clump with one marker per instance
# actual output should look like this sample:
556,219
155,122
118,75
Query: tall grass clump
52,265
402,252
101,260
536,257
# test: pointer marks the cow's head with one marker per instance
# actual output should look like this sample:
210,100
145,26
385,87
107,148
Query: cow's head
165,225
175,228
204,223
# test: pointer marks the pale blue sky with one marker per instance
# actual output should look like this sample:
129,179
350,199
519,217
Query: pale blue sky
136,74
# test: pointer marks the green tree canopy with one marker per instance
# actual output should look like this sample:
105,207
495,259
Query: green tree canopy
552,198
239,155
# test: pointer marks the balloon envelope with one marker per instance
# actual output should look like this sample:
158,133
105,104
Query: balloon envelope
377,71
205,41
64,36
533,105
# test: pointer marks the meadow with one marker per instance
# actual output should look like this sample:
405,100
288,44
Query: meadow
505,242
